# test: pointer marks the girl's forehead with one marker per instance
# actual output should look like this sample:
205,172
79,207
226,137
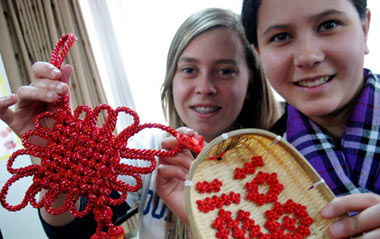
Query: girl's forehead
283,11
221,41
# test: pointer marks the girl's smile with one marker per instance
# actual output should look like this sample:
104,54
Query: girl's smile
313,81
211,82
307,55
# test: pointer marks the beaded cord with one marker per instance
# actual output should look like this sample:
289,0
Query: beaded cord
82,159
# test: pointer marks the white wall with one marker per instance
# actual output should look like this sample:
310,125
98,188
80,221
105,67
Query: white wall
372,59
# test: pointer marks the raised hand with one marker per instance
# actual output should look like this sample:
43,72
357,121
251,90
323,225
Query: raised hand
47,85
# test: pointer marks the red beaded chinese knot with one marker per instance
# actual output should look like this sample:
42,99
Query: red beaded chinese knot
82,159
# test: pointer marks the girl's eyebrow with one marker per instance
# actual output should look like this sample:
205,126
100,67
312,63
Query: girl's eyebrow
311,18
225,61
219,61
326,13
187,59
275,27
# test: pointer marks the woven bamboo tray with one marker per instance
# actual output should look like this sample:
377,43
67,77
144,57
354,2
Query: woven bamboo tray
293,171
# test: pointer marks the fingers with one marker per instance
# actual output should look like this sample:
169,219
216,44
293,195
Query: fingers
181,162
186,130
6,114
182,159
31,93
170,171
48,84
67,70
366,221
350,203
45,70
371,235
169,143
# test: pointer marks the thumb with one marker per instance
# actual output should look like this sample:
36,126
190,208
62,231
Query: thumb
6,114
66,70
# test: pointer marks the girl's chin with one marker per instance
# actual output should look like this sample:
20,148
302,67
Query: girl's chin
317,112
317,108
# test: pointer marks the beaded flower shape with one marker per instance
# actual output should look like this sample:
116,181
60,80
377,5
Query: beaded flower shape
83,159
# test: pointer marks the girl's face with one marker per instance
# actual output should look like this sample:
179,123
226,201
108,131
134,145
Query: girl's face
312,52
211,81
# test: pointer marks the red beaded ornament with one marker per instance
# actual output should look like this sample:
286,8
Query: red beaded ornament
82,159
294,225
207,187
249,168
291,227
209,204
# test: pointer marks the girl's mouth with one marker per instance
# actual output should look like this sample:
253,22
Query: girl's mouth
206,110
314,83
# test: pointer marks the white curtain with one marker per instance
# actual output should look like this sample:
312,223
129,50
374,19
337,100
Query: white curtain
109,59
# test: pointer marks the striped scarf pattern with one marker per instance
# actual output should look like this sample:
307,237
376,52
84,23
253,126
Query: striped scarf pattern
354,165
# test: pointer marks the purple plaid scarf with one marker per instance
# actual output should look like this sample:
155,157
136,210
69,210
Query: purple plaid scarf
354,165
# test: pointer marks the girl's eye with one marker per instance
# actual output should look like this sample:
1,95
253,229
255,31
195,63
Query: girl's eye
227,71
283,36
188,70
328,25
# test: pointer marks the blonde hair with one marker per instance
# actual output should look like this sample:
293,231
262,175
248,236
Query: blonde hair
260,110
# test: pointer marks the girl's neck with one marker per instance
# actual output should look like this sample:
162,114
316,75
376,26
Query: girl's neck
334,123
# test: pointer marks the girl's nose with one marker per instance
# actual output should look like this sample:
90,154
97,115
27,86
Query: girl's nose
205,85
308,53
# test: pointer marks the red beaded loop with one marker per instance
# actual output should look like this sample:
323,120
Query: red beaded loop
82,159
275,188
61,49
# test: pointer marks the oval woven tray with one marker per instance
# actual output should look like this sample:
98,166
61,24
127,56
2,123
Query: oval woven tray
293,172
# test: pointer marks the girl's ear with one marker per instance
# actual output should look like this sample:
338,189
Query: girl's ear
365,26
